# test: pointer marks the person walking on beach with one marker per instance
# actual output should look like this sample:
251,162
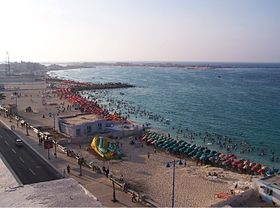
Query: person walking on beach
148,155
68,169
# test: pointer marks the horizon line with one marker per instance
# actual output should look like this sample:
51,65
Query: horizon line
153,61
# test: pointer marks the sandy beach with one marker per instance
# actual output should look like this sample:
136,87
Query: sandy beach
150,176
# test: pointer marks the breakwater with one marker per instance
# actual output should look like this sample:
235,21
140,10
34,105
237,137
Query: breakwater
80,86
101,86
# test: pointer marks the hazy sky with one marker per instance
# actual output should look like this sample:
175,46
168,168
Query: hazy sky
140,30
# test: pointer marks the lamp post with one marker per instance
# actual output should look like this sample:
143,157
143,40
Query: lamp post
53,121
27,126
15,95
55,144
174,162
16,98
114,192
80,163
122,129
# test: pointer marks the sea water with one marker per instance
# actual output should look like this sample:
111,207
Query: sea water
240,103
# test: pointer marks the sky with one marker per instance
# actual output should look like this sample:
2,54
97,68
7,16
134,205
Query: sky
140,30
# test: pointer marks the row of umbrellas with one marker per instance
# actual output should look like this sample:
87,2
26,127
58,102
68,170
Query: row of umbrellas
205,155
86,105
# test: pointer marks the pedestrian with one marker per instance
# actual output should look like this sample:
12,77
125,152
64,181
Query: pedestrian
125,187
185,163
107,173
148,155
64,173
121,178
68,169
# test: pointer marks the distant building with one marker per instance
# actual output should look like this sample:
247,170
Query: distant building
269,189
81,128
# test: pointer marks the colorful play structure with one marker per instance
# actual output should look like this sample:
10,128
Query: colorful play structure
104,148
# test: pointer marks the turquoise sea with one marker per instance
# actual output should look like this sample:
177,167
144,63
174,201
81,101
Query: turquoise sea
239,103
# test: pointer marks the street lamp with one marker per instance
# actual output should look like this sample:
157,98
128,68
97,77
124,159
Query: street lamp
81,160
15,96
27,126
55,153
174,162
114,192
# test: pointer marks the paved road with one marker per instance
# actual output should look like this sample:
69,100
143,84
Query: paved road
26,164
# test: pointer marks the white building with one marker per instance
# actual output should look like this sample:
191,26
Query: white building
81,128
269,189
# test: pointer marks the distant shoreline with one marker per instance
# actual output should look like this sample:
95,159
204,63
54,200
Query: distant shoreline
30,68
189,65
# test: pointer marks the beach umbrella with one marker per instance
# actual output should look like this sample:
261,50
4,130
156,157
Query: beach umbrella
256,167
246,162
198,154
225,163
193,152
252,164
262,170
240,165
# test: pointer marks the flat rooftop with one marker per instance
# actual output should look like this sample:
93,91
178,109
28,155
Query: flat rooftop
81,119
65,192
273,181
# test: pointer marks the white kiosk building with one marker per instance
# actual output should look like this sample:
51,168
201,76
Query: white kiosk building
81,128
269,189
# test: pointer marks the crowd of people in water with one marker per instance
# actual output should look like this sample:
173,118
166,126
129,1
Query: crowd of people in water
130,109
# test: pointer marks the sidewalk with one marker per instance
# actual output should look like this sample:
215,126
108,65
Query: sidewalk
97,184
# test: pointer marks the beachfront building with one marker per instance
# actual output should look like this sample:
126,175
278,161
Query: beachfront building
81,128
269,189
